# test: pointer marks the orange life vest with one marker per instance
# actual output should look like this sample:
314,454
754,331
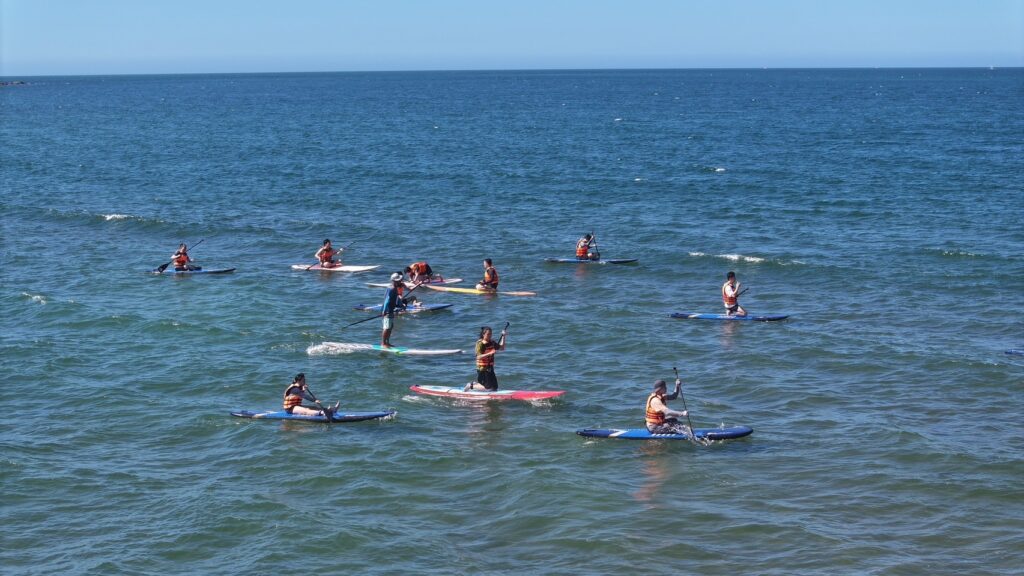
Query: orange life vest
326,254
582,248
180,259
726,298
419,268
483,362
491,277
652,417
292,400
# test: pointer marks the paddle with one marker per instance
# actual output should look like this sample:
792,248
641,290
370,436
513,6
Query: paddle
693,436
160,269
327,412
593,239
381,315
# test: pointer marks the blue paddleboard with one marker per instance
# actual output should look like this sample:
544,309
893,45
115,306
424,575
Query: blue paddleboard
338,417
643,434
575,261
184,272
748,317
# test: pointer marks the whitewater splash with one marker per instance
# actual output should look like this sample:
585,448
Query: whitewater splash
745,258
35,297
109,217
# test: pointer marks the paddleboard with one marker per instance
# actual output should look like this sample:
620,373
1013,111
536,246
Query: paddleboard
189,272
411,309
1015,351
338,417
408,284
343,268
452,392
643,434
476,291
347,348
748,317
602,261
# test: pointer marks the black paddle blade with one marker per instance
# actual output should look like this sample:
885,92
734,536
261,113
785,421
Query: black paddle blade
160,269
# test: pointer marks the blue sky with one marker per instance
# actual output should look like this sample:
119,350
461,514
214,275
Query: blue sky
41,37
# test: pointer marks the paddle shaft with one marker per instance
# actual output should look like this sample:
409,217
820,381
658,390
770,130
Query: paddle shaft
683,398
381,315
326,411
163,267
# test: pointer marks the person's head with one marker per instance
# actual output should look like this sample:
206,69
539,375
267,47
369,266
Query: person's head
396,278
485,333
299,379
660,386
327,241
487,262
408,270
587,237
731,276
182,247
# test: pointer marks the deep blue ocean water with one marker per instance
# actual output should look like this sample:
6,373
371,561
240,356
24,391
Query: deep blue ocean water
882,209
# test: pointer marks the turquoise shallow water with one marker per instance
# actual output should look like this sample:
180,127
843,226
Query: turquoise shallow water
880,208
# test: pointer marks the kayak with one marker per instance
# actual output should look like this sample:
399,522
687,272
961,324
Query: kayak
1015,352
476,291
453,392
643,434
411,309
187,272
343,268
338,416
408,284
602,261
748,317
346,348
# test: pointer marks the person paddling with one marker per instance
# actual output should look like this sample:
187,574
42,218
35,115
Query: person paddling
490,281
298,391
393,301
419,272
584,249
731,295
659,418
486,348
181,259
326,255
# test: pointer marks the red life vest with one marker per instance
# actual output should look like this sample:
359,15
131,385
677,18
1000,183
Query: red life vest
419,268
326,254
582,248
729,300
484,362
490,277
652,417
292,400
180,259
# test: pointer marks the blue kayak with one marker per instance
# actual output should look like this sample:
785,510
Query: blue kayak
338,417
603,261
643,434
185,272
1015,352
748,317
412,309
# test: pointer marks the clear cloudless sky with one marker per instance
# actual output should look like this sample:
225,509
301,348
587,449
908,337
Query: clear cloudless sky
42,37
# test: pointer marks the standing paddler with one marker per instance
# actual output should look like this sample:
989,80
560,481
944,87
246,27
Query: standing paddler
486,348
392,301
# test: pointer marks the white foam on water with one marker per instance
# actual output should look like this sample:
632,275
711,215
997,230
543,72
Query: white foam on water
741,257
327,348
719,169
35,297
109,217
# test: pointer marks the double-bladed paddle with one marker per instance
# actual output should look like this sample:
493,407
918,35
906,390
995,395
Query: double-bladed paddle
160,269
